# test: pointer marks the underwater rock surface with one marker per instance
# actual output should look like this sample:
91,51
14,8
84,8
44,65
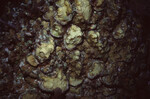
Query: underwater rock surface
84,48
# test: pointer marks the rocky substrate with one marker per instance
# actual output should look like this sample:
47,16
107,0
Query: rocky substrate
71,48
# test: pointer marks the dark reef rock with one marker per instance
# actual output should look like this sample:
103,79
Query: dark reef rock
74,49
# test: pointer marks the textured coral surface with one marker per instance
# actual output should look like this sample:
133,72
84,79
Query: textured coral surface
86,49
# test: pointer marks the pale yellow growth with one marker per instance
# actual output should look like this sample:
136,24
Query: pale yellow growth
83,8
63,12
73,37
93,37
75,82
99,2
32,60
45,49
95,69
51,83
